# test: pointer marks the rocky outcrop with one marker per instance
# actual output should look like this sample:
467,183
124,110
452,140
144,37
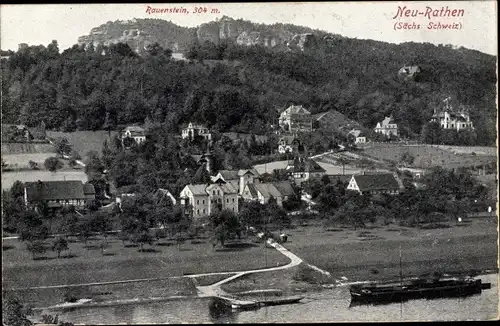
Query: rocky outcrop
139,33
209,32
302,42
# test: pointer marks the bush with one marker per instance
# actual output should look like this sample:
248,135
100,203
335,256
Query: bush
53,164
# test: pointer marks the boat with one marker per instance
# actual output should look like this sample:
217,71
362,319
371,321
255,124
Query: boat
247,304
423,287
417,289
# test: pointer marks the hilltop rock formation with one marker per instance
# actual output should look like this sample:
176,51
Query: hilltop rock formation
139,33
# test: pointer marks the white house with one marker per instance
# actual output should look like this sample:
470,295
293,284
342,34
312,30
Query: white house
358,136
200,200
296,118
450,119
137,133
193,130
387,127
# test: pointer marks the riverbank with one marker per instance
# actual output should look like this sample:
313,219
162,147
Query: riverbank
373,254
127,273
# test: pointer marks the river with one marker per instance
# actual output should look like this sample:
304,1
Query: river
324,306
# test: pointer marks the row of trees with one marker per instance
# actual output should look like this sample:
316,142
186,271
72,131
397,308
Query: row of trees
445,195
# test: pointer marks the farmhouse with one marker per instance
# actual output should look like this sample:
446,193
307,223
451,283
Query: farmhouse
385,183
387,127
263,192
195,130
13,133
58,193
138,134
296,118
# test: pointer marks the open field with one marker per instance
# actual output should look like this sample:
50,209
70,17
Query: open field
26,148
84,141
119,263
373,254
478,150
21,161
329,168
426,156
367,253
8,178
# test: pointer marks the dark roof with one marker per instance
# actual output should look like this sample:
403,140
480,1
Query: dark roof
253,191
229,174
306,165
54,190
284,187
368,182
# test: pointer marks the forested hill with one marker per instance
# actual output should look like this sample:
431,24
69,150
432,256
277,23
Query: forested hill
241,88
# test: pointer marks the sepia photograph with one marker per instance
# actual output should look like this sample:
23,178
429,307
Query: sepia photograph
213,163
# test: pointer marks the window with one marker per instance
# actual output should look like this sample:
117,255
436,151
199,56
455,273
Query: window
214,192
203,211
198,211
203,201
233,200
227,200
198,202
218,192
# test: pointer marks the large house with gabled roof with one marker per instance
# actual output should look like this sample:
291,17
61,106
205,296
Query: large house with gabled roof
296,118
58,194
138,134
201,200
383,183
263,192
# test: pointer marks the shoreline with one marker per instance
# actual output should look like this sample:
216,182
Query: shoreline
252,293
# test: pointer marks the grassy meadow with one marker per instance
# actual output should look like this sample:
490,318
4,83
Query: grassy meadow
427,156
84,141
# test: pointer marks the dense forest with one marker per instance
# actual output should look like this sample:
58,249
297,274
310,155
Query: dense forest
242,88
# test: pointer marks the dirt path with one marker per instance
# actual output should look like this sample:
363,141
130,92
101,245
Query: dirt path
216,290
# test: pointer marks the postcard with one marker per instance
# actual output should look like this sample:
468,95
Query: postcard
242,162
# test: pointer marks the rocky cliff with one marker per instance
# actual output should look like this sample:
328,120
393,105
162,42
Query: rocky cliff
138,33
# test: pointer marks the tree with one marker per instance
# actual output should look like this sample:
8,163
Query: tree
60,244
144,238
62,146
406,158
224,224
100,223
33,165
36,247
14,313
53,164
84,228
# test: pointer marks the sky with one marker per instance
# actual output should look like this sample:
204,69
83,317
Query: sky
40,24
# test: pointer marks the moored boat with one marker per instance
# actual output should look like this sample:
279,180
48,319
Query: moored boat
416,289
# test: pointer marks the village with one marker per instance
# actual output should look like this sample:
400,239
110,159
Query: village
227,207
